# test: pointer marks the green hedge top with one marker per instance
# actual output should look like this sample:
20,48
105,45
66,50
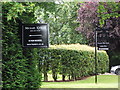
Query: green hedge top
77,47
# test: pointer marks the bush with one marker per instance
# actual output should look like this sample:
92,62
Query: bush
74,61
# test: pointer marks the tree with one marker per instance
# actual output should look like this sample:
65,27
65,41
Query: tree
107,14
87,17
62,22
110,12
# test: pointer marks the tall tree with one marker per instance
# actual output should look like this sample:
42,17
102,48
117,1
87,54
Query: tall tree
62,22
107,14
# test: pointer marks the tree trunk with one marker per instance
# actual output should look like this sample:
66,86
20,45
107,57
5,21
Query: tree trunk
45,76
63,77
75,77
69,77
54,76
72,77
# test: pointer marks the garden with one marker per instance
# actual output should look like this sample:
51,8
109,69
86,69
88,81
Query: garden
69,62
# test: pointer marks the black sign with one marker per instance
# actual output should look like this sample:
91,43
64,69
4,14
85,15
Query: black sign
35,35
103,47
103,39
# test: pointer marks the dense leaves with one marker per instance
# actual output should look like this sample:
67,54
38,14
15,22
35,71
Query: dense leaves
114,58
62,22
107,14
111,14
72,61
88,19
20,68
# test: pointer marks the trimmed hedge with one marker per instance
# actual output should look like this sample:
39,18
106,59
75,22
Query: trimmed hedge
19,65
19,70
74,61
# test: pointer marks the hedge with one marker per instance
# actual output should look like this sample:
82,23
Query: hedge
72,61
19,64
19,68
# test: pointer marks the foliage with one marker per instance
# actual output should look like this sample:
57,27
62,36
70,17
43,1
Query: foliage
72,61
87,17
108,10
107,14
62,22
20,68
114,58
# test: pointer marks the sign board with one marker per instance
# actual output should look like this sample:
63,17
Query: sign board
103,40
35,35
103,46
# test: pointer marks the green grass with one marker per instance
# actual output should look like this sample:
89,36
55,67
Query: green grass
104,81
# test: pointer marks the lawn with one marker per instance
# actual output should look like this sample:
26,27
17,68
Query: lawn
104,81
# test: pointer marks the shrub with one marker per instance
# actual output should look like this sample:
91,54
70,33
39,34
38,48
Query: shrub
74,61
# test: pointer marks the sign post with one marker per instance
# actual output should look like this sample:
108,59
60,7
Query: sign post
35,36
95,56
101,43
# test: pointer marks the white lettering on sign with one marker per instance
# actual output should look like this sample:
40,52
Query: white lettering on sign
35,30
103,43
35,44
41,27
38,27
34,35
29,27
40,40
103,48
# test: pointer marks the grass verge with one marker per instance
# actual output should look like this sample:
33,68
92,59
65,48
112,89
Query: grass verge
104,81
